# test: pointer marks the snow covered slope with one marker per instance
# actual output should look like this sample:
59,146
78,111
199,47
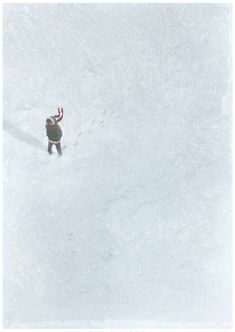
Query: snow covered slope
131,227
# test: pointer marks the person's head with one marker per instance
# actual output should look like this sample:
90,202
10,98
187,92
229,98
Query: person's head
50,121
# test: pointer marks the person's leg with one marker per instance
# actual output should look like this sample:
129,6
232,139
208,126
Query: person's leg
49,148
58,147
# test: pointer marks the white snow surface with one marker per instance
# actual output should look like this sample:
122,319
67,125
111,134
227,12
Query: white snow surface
131,227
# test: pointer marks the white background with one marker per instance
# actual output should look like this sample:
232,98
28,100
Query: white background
136,216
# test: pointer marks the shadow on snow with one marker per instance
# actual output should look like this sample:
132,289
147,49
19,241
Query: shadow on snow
21,135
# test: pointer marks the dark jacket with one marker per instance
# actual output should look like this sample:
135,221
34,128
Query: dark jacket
54,132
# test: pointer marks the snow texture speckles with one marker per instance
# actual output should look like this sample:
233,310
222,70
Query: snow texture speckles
131,227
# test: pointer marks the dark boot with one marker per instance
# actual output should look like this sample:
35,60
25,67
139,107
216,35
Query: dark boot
58,148
49,148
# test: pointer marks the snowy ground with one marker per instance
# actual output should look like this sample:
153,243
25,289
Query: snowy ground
131,227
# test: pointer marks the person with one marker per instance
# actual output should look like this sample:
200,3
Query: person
54,132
